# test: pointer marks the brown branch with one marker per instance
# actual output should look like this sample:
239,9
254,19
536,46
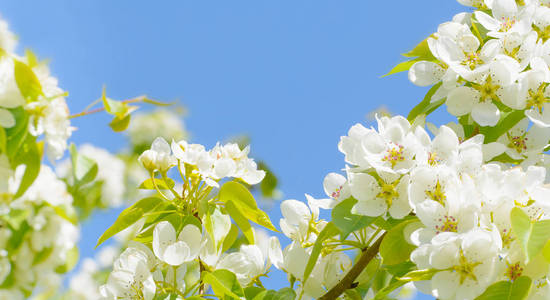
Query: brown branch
93,111
348,281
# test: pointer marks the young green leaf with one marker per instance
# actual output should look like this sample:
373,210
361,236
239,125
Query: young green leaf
84,168
421,51
329,231
282,294
532,235
241,221
425,106
346,221
506,123
119,124
251,292
230,238
27,82
401,67
244,202
129,216
506,290
70,262
394,248
417,275
30,154
3,141
224,283
16,135
161,184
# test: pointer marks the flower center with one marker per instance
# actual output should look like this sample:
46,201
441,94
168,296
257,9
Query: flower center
472,60
506,237
448,224
433,159
517,142
514,271
537,98
388,192
437,194
543,32
336,193
394,155
488,90
507,23
465,268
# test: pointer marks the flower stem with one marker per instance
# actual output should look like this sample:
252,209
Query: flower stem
86,112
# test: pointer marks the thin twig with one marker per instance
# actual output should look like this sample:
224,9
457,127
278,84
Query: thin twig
347,282
100,109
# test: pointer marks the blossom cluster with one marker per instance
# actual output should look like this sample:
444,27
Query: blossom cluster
171,261
38,237
43,100
220,162
463,205
489,64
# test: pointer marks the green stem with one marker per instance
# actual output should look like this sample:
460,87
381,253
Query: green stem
93,111
157,188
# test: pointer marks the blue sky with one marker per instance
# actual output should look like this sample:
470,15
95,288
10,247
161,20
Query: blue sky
293,75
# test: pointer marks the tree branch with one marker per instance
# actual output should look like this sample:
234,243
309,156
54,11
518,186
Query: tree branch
100,109
347,282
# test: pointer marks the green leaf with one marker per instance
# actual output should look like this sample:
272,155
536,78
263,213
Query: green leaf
71,261
243,200
479,31
162,184
367,275
417,275
506,123
129,216
84,168
29,154
426,106
16,217
505,158
17,238
503,290
60,211
268,185
42,256
394,248
240,220
532,235
31,58
3,141
113,107
546,251
224,283
400,67
329,231
119,124
251,292
16,135
230,238
120,110
352,294
27,82
422,51
346,221
282,294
